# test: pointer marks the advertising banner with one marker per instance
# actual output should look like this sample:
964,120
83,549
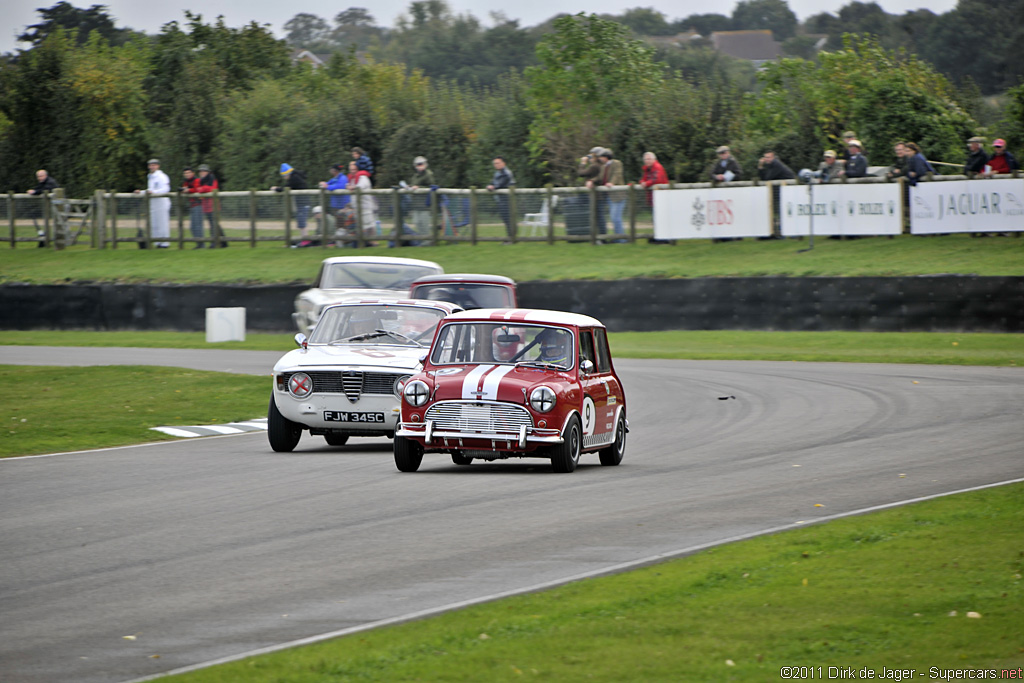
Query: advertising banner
712,212
995,205
841,209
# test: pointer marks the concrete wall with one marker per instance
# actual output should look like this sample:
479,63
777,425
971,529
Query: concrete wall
900,304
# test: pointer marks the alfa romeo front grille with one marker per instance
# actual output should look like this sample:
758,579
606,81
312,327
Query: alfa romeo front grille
351,383
478,417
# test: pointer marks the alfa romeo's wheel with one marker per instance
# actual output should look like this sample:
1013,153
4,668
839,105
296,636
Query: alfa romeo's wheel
460,459
283,434
566,455
612,455
408,454
336,439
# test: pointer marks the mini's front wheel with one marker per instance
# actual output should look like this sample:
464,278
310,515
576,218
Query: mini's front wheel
408,454
566,455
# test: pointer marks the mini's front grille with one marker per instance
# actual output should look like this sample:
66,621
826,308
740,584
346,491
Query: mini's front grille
351,383
478,417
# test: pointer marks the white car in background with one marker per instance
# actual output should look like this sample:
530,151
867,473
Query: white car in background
347,378
345,277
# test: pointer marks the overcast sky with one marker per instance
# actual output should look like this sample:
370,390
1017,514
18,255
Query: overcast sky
149,16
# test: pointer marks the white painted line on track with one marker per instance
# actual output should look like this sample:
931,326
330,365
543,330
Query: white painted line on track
613,569
16,458
174,431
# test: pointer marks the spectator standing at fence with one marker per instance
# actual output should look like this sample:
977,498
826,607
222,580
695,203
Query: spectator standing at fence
844,153
613,176
190,185
157,182
726,168
44,183
360,179
769,167
653,174
830,167
503,179
209,184
856,163
422,177
363,161
899,168
977,159
918,167
296,180
338,181
589,171
1001,160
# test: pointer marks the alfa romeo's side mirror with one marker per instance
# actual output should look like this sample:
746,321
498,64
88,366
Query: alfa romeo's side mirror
301,340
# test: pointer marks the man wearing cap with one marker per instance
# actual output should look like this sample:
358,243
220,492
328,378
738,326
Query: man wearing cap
857,163
976,158
829,168
726,168
296,180
157,182
844,154
207,185
1002,161
422,177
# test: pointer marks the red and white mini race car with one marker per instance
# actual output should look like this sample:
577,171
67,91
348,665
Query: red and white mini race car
509,383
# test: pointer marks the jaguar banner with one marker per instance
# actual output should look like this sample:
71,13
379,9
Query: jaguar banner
712,212
841,209
967,206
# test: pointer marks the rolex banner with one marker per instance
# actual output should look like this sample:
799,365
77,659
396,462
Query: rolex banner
841,209
967,206
713,212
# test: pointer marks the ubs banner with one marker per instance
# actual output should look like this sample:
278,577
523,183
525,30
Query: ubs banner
862,209
712,212
967,206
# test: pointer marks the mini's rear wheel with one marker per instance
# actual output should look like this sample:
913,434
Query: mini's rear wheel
612,455
283,434
408,454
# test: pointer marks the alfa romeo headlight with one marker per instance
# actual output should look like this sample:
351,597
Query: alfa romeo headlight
300,385
416,393
542,399
400,385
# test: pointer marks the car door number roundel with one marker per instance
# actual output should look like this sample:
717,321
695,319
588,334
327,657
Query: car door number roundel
589,416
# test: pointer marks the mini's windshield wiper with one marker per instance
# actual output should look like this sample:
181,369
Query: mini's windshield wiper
540,364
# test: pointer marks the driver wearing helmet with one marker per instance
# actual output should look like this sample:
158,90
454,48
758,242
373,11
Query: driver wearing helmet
554,347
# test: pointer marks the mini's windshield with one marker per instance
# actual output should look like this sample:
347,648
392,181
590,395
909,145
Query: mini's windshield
468,296
377,324
512,343
359,275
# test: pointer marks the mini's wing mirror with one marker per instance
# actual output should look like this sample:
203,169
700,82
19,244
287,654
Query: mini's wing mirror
301,341
587,366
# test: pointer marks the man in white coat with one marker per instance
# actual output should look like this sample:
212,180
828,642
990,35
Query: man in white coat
159,207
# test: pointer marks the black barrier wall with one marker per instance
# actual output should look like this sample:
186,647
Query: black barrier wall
901,304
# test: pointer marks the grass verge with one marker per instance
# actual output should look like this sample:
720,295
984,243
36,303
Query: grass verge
858,347
879,256
935,584
69,409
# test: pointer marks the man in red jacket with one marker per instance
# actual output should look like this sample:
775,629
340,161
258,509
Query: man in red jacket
208,183
654,174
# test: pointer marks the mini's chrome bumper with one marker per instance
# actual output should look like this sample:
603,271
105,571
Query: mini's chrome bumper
430,436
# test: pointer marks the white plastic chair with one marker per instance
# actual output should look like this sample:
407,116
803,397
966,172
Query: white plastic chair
539,221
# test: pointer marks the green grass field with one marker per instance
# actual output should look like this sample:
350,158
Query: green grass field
935,584
904,255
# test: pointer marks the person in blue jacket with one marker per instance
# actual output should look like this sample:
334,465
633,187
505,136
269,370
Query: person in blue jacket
338,181
917,166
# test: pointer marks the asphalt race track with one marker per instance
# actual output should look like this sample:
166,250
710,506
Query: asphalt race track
206,548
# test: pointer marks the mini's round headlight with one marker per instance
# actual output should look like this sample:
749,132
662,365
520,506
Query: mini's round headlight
300,385
416,393
542,399
400,385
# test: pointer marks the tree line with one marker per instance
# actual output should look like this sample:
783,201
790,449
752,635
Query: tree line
92,107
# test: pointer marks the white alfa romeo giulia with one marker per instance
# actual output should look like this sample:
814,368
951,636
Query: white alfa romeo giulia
346,379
